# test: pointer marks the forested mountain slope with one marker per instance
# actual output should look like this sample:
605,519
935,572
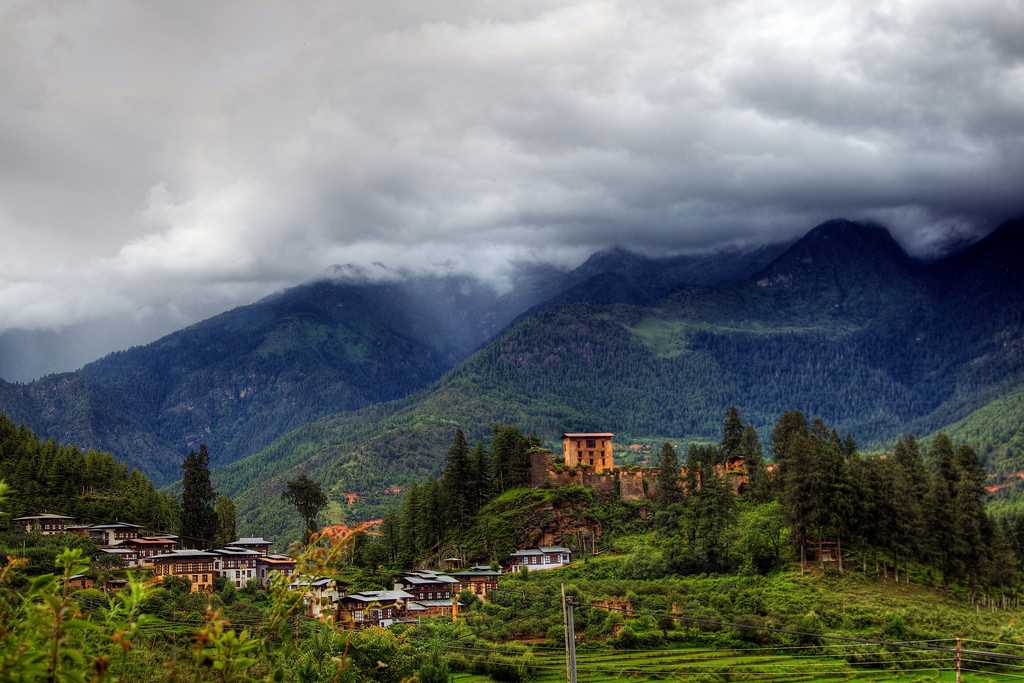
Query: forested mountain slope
240,379
842,325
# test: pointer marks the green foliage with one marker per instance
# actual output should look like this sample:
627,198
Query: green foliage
92,487
308,498
245,377
199,523
669,487
227,531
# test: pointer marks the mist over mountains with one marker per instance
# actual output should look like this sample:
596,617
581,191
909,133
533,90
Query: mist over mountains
348,339
360,380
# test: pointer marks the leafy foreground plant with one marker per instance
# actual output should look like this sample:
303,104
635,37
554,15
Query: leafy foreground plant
50,632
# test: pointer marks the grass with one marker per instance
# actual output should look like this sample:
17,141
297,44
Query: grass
743,627
694,664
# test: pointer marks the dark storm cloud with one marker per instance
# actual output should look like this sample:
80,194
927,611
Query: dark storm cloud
153,155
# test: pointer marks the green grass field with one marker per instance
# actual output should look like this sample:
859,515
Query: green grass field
708,665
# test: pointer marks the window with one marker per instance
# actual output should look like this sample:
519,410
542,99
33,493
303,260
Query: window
590,443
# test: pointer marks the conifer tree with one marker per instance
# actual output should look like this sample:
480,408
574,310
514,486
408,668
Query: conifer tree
456,482
198,517
732,434
410,523
790,424
669,491
482,479
753,458
226,521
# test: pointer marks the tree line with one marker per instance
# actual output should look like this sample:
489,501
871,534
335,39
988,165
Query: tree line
444,507
916,506
90,486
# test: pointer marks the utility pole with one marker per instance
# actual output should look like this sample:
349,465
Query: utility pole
570,637
956,658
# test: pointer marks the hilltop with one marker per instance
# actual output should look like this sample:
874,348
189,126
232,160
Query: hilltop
842,325
341,342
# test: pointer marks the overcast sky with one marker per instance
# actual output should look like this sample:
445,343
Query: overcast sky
159,160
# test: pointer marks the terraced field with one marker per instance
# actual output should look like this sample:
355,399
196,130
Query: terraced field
915,663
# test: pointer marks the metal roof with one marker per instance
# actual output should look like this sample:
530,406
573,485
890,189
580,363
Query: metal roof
235,552
183,555
554,549
116,525
147,540
43,515
250,541
322,582
574,435
478,571
377,596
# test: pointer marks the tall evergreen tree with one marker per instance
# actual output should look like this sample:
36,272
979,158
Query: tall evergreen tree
790,424
669,489
482,480
198,517
226,520
411,540
732,434
753,458
456,482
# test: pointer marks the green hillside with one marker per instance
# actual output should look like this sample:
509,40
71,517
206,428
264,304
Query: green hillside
996,430
842,326
243,378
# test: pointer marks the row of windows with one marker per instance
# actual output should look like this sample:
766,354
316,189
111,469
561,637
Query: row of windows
547,559
430,596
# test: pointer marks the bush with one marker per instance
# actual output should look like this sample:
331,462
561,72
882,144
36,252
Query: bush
434,670
626,640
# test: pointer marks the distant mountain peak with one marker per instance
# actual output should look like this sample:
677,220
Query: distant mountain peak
839,255
355,273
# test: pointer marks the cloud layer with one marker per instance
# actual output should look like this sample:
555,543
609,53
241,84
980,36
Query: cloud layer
164,159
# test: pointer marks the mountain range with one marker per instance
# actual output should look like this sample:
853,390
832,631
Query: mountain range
338,343
842,324
361,384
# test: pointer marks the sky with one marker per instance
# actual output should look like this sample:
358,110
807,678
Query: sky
160,162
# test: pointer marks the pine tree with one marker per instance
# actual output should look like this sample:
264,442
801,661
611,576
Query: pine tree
198,517
410,524
482,480
753,459
790,424
456,483
732,434
669,490
796,474
226,520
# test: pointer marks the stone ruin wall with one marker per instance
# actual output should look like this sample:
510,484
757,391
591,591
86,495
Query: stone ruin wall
631,484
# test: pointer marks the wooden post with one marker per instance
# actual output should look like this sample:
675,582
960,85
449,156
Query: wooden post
956,658
570,638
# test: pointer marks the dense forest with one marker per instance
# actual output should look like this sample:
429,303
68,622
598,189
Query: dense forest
843,325
731,560
92,487
241,379
916,508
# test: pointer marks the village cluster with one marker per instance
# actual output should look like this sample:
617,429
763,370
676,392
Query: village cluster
416,594
587,459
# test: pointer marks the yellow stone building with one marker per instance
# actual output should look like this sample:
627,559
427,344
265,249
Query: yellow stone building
588,449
